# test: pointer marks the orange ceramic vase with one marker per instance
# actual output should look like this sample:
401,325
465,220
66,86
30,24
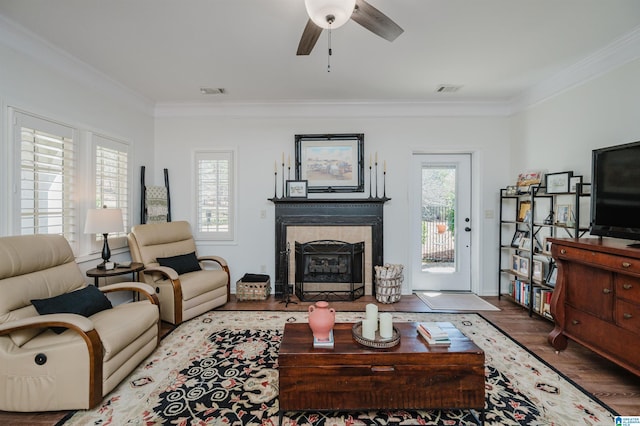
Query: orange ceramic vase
321,320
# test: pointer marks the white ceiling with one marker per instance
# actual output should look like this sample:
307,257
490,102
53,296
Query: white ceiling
166,50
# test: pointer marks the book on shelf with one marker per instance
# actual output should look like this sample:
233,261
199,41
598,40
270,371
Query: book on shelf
433,334
328,343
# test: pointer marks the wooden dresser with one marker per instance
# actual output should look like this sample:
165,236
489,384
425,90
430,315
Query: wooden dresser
596,301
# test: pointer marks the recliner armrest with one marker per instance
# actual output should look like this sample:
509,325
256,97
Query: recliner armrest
77,322
164,270
144,289
221,261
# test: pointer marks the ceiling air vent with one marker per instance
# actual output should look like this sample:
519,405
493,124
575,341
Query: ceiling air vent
447,88
212,91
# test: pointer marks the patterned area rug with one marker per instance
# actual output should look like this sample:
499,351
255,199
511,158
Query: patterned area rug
222,369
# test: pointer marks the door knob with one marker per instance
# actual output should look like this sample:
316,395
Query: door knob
467,229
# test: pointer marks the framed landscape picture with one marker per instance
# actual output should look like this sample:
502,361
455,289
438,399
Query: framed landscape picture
331,163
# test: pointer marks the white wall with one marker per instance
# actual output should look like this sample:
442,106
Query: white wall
559,134
260,142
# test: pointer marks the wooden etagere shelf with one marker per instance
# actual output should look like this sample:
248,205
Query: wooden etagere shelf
528,220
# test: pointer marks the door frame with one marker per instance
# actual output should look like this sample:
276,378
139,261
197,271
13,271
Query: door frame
477,219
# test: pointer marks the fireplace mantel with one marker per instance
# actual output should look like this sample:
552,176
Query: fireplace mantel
327,212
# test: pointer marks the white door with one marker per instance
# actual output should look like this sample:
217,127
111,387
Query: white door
441,222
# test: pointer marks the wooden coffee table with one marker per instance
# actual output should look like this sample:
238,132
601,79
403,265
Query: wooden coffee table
352,377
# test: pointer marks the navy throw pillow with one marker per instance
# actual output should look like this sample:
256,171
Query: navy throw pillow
86,302
182,263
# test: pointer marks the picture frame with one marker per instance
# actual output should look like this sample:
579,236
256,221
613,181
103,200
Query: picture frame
563,214
558,183
546,246
523,208
573,183
515,262
525,243
330,162
528,178
537,270
552,275
518,236
523,268
296,188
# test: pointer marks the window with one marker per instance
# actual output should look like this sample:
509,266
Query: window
214,194
112,183
47,177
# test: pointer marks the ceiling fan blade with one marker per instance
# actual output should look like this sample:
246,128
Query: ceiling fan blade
309,38
375,21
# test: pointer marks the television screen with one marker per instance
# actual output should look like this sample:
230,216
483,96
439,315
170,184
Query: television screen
615,198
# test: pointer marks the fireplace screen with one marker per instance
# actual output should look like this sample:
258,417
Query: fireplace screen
329,270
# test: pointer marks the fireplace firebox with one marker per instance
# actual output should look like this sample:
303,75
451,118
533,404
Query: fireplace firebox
329,270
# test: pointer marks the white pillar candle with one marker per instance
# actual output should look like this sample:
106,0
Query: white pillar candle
386,325
372,314
368,329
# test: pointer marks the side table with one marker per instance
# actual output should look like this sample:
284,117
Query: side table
133,269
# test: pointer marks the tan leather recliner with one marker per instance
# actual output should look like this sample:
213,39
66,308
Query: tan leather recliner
182,296
41,370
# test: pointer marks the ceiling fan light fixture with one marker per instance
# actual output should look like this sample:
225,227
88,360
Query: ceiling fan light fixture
320,10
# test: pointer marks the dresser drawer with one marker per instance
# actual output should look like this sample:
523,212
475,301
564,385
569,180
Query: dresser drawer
628,316
627,287
611,262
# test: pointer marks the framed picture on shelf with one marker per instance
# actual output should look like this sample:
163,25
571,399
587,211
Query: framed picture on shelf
573,183
552,275
528,178
525,243
537,269
518,236
515,262
563,214
546,246
524,210
523,268
296,188
331,163
557,183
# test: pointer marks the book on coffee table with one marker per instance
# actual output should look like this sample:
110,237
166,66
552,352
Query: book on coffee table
433,334
328,343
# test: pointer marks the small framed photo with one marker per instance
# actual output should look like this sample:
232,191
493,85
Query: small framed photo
523,268
518,236
297,188
546,246
525,244
515,262
524,210
528,178
552,275
537,270
558,183
574,181
563,214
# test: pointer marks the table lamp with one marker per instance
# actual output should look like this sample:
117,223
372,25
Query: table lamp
102,221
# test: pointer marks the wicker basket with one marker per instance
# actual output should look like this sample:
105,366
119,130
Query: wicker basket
252,290
388,290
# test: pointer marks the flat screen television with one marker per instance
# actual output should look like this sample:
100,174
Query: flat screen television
615,191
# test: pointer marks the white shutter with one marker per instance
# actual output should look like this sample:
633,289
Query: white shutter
215,194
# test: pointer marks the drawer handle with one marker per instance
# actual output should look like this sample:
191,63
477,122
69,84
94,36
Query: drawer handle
606,290
382,368
627,316
626,264
575,322
563,251
627,286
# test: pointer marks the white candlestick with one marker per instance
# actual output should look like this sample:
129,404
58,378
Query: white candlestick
372,314
368,329
386,325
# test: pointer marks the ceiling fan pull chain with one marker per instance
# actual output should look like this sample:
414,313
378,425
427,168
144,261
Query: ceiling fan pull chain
329,55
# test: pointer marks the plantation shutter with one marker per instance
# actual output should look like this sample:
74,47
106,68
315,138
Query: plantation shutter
214,195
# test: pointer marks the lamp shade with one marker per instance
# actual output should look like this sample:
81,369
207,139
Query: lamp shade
341,10
103,221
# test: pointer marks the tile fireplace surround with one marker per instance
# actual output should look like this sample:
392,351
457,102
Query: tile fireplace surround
350,220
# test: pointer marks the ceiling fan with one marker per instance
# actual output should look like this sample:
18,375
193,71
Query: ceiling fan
331,14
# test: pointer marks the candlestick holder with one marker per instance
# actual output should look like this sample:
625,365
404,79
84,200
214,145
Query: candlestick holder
384,184
289,172
283,193
370,193
376,178
275,184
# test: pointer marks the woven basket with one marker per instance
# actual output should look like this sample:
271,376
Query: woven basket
389,290
252,290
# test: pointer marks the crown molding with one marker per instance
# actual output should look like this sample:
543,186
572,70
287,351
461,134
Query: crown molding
618,53
40,50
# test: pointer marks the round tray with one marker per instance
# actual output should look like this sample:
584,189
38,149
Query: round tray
378,342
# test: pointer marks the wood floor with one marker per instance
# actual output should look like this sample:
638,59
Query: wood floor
613,385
